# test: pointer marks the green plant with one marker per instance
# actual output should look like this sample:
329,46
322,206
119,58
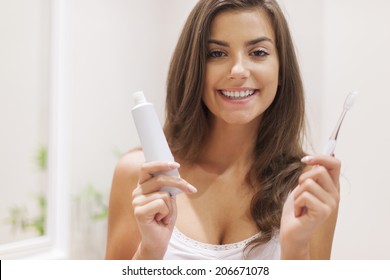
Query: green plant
41,158
19,216
93,199
19,219
98,208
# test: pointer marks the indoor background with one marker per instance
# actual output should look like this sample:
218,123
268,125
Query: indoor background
67,71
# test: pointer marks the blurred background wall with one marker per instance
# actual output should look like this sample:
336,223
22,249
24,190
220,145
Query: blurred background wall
115,47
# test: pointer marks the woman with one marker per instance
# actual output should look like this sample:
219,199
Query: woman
235,115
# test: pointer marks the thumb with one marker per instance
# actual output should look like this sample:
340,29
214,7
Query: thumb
289,203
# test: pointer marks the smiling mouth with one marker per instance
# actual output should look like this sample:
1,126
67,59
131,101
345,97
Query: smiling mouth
237,94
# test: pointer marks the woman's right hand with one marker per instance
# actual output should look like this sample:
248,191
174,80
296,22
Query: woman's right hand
155,210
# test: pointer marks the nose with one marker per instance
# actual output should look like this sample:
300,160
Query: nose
239,70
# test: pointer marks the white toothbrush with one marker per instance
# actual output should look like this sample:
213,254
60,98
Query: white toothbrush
331,145
348,103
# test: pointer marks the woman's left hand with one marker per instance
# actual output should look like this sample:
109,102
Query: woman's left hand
309,205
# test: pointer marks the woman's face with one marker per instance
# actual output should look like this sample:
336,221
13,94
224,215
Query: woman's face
242,67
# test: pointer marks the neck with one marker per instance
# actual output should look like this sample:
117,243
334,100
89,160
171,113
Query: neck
230,145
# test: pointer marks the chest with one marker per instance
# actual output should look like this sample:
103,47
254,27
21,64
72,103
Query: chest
220,212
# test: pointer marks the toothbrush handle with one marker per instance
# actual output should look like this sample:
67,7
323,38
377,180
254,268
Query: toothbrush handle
329,150
330,147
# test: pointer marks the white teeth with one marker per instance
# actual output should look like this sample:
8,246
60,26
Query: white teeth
237,94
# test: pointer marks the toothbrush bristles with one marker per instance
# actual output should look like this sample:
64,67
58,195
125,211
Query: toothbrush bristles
350,100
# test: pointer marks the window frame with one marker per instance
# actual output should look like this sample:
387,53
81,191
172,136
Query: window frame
55,243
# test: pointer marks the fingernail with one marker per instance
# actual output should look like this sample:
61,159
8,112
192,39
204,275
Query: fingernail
307,159
191,188
173,165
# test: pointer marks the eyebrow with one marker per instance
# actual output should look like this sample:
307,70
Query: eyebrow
249,43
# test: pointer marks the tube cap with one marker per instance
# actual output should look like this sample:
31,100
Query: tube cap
139,97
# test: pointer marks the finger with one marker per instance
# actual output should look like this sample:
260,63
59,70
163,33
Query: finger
141,200
172,211
314,207
155,184
310,186
329,162
332,164
148,169
149,212
166,219
288,204
321,175
313,188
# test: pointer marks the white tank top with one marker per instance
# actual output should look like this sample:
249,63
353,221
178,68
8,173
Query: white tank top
181,247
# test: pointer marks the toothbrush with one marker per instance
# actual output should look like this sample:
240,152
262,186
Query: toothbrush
331,145
348,103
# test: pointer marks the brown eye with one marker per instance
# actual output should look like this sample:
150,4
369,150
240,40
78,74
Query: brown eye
216,54
259,53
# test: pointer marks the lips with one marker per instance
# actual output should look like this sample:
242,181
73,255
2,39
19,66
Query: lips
237,94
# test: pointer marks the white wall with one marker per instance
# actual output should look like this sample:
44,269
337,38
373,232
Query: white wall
118,47
306,30
357,43
342,46
24,92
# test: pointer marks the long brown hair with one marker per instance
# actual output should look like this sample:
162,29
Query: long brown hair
278,148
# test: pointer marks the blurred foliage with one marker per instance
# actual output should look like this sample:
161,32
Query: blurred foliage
98,207
41,158
19,218
95,201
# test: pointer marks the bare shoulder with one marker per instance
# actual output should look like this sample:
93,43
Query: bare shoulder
129,165
123,236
